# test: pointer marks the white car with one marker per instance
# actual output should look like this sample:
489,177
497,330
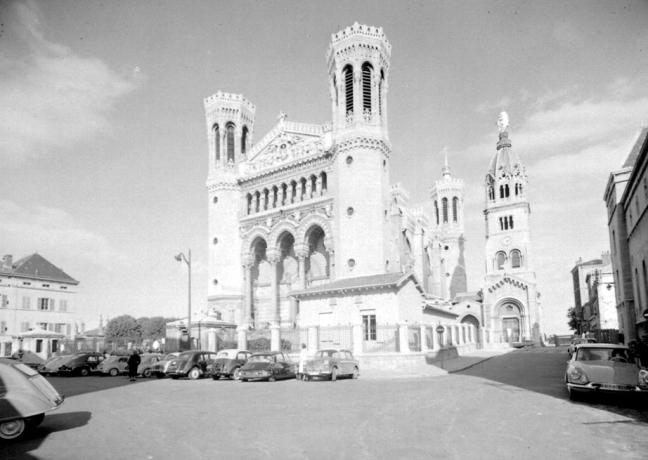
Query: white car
604,368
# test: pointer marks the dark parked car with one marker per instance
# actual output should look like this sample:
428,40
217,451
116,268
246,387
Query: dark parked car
80,364
267,365
192,364
25,396
332,363
228,363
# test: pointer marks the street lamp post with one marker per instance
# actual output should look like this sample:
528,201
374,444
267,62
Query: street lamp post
181,258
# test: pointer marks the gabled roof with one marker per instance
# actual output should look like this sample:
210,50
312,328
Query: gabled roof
37,267
381,281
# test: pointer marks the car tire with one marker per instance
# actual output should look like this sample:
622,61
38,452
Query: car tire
244,380
194,373
334,374
159,375
236,373
113,372
12,429
84,372
356,373
35,420
146,373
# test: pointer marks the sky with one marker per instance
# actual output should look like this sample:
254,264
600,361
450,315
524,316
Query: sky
103,143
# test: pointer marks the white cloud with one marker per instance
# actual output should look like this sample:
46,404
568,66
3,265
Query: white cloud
54,233
51,98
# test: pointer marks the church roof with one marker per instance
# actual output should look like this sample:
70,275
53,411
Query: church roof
505,161
37,267
384,280
634,153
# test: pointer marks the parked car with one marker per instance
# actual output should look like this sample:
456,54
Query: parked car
113,366
25,396
228,363
80,364
605,368
148,360
50,367
159,369
192,364
577,341
332,363
267,365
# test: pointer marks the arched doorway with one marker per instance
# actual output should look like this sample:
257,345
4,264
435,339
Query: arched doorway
470,319
511,321
261,273
317,262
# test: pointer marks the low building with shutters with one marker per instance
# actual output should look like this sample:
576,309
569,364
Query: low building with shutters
36,295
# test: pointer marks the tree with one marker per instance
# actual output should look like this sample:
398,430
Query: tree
153,328
573,319
123,327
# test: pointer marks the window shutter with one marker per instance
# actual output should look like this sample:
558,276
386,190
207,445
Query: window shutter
51,305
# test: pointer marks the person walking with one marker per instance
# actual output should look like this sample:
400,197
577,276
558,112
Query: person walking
303,356
133,362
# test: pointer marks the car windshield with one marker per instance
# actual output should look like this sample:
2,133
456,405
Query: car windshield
262,359
604,354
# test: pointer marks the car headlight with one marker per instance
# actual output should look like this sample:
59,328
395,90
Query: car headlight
575,375
643,377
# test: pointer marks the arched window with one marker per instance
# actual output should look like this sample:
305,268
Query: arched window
348,88
302,189
455,206
324,183
293,191
436,211
510,222
313,184
244,140
230,142
500,260
501,191
506,190
516,258
216,142
444,208
249,203
275,195
491,193
284,194
367,71
257,200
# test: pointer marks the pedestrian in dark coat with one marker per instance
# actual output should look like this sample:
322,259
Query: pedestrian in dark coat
133,362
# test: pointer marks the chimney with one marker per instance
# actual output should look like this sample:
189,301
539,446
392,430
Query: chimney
7,262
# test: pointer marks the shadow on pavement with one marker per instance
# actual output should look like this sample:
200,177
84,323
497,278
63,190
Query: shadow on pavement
542,370
33,439
74,386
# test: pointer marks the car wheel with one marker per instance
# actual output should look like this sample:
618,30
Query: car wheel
12,429
84,372
356,373
146,373
272,378
194,373
113,372
35,420
159,375
334,374
236,373
244,380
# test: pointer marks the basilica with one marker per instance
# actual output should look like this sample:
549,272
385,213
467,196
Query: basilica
306,229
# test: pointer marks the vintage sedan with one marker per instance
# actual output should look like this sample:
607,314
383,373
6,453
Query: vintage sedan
192,364
604,368
51,366
148,360
267,365
228,364
25,396
113,366
80,364
332,363
159,369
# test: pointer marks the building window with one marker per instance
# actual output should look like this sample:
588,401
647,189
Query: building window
215,200
350,211
351,263
455,206
26,303
369,327
349,160
367,70
3,327
215,281
380,90
348,88
4,302
244,140
500,260
230,142
510,222
444,209
26,283
216,143
63,305
516,258
45,304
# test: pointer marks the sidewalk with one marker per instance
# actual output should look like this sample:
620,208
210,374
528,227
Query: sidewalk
435,368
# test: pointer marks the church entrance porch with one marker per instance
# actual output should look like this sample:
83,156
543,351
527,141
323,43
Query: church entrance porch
511,321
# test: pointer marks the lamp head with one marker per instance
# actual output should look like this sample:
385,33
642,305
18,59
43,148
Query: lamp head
179,257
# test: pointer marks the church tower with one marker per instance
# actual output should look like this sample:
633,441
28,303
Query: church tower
510,297
358,66
448,202
230,123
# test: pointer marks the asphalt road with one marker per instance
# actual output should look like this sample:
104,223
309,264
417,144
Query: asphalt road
511,406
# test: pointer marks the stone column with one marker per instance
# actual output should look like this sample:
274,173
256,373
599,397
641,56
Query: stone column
211,340
309,189
403,338
241,335
275,338
247,293
448,338
424,346
273,259
357,338
318,184
313,341
301,253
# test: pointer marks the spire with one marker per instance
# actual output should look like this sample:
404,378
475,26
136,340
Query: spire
446,169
